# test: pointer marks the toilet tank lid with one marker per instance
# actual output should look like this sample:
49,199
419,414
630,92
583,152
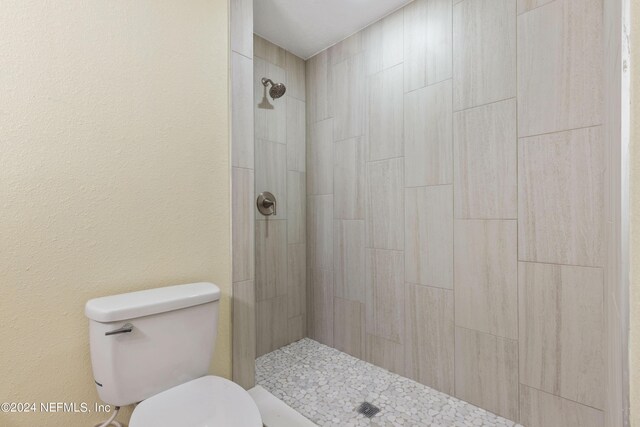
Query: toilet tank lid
132,305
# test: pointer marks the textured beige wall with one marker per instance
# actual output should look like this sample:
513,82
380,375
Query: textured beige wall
114,172
635,215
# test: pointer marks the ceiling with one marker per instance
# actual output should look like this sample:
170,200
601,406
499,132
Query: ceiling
306,27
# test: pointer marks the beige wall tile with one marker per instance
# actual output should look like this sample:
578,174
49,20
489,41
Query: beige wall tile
296,208
269,52
384,289
561,331
527,5
271,325
348,94
429,337
242,107
349,172
561,198
243,230
271,174
486,372
296,135
486,276
386,114
320,305
384,353
349,259
428,233
415,45
345,49
560,63
320,158
429,136
244,333
540,409
270,115
320,232
383,43
385,204
484,42
241,27
485,162
318,84
271,259
295,76
296,280
297,328
348,327
439,41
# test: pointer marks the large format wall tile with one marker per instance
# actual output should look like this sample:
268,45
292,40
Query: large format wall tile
296,280
385,294
320,158
348,327
348,94
562,331
429,236
271,173
296,135
527,5
241,27
242,132
345,49
296,208
384,353
428,135
386,114
270,115
295,76
486,276
318,83
271,259
429,337
243,233
349,259
385,204
486,372
561,198
540,409
484,43
244,333
297,328
349,172
560,67
485,162
271,325
269,52
383,43
427,43
320,305
320,232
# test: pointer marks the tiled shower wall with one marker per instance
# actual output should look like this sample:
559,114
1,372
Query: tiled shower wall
242,183
280,169
455,202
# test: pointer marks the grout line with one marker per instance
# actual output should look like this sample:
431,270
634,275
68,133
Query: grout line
522,138
560,265
462,110
486,333
561,397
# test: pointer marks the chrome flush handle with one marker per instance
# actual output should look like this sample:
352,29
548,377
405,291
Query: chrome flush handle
128,327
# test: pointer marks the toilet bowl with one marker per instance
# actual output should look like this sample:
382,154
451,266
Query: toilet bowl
154,348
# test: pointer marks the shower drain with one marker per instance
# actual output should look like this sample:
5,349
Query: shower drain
367,409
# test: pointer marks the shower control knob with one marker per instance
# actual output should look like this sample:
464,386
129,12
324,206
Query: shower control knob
266,204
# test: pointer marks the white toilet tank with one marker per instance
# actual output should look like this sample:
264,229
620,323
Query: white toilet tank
143,343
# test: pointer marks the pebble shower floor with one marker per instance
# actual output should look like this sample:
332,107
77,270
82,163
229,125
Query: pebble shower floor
327,386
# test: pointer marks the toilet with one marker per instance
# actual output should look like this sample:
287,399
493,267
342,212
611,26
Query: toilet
154,348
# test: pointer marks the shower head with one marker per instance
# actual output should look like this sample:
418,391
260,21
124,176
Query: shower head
277,89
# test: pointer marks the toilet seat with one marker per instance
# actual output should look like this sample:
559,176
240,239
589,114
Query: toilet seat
204,402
